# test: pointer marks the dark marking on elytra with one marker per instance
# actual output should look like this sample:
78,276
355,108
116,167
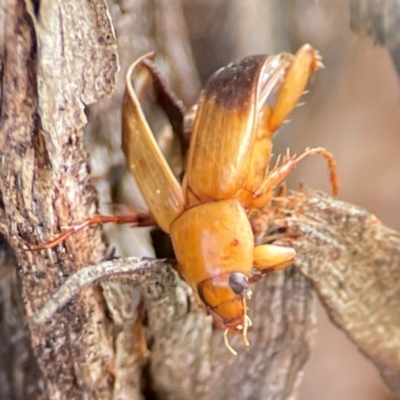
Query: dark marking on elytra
233,86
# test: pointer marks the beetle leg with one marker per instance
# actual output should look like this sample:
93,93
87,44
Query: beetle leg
272,257
306,60
136,219
280,173
282,190
153,175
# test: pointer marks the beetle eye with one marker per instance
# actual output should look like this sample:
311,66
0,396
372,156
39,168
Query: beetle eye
238,282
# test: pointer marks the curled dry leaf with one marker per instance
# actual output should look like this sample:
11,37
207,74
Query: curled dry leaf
354,263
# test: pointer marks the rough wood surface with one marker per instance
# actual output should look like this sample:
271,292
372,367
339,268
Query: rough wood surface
19,373
354,263
55,60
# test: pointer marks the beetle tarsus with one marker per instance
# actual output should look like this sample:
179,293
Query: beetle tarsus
302,64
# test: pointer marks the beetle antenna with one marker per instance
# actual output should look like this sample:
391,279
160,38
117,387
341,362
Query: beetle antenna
245,324
249,321
226,341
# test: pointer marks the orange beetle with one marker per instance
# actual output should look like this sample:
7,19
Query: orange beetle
226,176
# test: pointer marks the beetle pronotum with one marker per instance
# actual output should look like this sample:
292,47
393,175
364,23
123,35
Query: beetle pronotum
227,177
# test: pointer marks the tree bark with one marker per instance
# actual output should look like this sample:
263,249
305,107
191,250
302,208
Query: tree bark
56,59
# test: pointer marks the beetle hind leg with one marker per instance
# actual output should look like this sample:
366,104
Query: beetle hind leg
304,63
281,170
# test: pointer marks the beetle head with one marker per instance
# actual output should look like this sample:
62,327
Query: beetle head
224,297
